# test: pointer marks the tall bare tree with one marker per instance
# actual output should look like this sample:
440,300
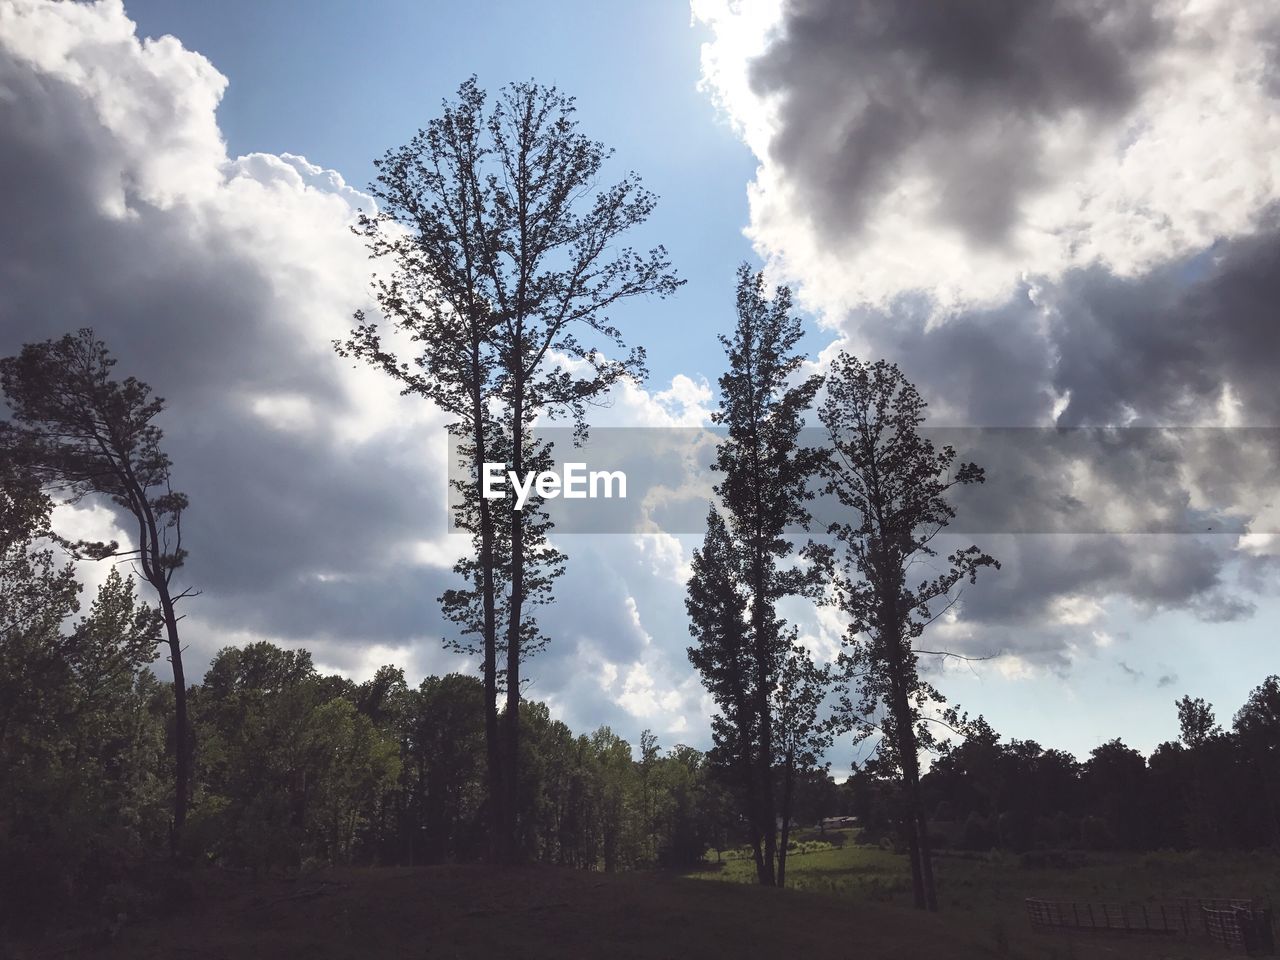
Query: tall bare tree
505,264
84,432
894,484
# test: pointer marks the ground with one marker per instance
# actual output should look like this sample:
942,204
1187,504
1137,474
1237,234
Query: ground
846,902
525,913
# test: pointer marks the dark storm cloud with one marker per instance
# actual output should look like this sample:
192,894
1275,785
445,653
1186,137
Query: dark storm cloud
956,92
1161,348
989,368
1166,345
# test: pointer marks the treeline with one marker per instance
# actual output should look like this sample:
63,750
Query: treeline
298,767
1210,789
293,767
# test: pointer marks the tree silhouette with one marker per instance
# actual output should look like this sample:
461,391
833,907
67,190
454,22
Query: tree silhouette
1196,723
1257,724
718,619
804,735
893,483
86,433
764,493
505,262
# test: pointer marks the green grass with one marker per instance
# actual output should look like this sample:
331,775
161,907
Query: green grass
981,895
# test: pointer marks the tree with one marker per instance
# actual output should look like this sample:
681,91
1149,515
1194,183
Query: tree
1196,723
803,736
79,740
505,264
292,769
1115,776
718,621
1257,724
89,434
446,783
742,568
1197,730
894,484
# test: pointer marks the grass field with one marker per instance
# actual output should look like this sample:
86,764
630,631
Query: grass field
529,913
848,902
981,896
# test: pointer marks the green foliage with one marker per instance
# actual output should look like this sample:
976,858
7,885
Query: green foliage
290,768
82,734
77,429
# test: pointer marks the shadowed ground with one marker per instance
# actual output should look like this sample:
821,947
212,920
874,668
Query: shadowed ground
532,912
855,906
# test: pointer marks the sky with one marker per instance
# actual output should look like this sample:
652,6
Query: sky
1049,212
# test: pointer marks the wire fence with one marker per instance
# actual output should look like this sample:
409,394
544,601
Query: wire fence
1238,924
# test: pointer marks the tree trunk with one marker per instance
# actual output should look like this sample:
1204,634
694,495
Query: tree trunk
913,852
512,717
181,724
493,741
918,827
747,761
788,782
764,761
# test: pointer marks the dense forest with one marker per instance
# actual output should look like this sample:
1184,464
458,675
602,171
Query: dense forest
491,275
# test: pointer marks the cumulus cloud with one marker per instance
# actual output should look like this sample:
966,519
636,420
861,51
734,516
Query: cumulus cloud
221,282
317,512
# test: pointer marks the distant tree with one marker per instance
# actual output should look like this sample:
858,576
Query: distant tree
804,734
650,755
446,730
742,568
291,769
1197,730
1115,777
83,431
974,772
687,807
1257,724
894,484
618,795
1196,722
506,261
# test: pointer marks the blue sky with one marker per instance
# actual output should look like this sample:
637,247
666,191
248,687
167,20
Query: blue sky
1034,244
